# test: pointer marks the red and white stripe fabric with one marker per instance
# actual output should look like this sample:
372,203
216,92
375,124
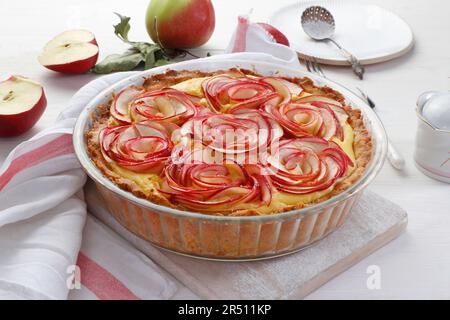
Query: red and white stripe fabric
43,221
111,268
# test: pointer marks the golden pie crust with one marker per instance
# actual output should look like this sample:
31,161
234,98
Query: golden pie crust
362,144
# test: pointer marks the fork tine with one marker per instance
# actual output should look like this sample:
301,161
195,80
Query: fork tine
308,65
314,66
319,68
302,60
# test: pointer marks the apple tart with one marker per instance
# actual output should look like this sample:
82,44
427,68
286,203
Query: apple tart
230,142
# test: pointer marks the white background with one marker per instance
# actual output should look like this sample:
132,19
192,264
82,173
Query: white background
416,265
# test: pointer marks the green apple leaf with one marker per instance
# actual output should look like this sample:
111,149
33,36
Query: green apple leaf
119,62
151,52
145,47
149,60
153,55
122,28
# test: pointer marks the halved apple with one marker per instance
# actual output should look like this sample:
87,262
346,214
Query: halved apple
22,103
73,51
276,34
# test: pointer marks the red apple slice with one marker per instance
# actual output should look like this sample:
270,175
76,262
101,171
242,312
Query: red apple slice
120,108
22,103
73,51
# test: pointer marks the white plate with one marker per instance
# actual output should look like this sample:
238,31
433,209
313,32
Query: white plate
371,33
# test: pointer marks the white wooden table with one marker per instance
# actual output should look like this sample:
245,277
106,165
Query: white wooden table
417,265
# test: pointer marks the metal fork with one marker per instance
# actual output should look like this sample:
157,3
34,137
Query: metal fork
313,66
394,157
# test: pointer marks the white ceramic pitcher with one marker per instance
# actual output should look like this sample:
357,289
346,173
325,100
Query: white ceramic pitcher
432,153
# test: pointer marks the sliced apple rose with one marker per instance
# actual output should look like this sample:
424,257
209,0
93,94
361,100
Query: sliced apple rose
242,137
139,147
284,90
308,164
166,104
208,187
120,107
224,92
134,105
311,116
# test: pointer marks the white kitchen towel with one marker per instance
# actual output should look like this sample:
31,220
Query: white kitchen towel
42,212
111,268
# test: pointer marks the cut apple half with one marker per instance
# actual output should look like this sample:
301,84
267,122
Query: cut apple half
22,103
73,51
276,35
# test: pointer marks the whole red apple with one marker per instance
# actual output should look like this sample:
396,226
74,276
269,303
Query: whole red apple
22,103
180,23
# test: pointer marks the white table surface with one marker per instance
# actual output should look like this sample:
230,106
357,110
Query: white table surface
416,265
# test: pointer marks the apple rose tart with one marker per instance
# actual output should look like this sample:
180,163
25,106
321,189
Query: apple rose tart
230,142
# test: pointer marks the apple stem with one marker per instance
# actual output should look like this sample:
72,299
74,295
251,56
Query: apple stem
191,54
176,51
155,28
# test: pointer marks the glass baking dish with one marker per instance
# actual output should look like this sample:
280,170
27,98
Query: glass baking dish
230,237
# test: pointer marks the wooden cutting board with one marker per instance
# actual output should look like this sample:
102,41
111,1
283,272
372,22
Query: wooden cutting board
375,221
